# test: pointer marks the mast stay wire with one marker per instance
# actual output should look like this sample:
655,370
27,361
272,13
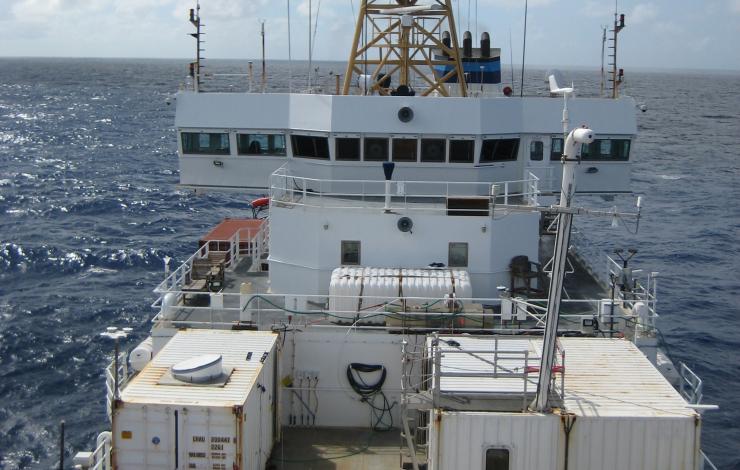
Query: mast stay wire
313,38
316,26
475,24
468,28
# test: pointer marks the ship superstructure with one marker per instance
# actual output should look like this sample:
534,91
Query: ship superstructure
399,303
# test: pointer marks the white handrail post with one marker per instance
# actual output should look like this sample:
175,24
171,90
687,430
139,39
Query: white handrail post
506,193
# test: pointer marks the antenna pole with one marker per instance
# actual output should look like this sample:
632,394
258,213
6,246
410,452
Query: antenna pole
571,152
616,74
511,58
603,45
524,48
195,66
264,65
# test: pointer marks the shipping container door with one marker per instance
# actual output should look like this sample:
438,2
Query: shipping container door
144,438
207,439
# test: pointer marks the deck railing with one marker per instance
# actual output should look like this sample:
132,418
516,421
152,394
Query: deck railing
245,242
706,464
110,382
418,313
691,386
290,190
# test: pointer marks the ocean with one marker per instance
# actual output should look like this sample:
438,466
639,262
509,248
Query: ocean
89,209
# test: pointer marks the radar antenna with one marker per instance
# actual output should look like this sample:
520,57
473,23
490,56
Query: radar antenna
406,37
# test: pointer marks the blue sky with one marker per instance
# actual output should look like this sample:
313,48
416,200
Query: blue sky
695,34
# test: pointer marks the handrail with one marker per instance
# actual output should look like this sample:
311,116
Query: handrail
178,278
110,382
293,190
691,386
460,315
101,456
706,464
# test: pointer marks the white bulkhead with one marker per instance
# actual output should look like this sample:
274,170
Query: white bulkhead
308,266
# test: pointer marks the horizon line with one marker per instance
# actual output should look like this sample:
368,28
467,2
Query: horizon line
255,60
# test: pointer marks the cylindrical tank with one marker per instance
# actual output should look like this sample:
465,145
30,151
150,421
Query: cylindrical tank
485,45
141,354
467,44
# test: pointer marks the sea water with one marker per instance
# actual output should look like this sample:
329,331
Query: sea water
89,209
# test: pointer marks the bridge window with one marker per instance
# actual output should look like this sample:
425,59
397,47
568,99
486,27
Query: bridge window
606,150
499,150
556,149
404,150
433,150
497,459
536,150
462,151
350,253
306,146
376,149
205,143
347,148
457,256
261,144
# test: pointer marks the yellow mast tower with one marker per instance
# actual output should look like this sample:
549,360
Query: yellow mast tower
399,39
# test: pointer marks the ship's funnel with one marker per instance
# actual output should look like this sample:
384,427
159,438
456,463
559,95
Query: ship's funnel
467,44
485,45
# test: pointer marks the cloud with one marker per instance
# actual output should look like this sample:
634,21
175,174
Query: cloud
515,3
597,9
735,6
643,13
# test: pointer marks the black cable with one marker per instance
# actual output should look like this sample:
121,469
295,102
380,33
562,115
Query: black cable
369,392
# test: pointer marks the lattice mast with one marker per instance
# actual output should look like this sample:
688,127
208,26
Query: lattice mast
399,39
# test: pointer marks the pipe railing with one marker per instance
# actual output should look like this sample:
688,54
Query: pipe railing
691,386
706,464
470,314
110,382
292,190
255,241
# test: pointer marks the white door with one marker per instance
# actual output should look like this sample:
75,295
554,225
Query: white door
537,157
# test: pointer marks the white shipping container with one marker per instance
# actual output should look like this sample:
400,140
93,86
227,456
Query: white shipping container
625,416
163,423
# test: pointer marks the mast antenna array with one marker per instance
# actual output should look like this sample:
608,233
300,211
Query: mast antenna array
617,75
405,36
196,66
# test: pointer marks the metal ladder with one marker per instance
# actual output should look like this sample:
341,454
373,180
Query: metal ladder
416,402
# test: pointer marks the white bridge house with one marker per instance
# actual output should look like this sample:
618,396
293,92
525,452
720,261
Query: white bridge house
236,140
